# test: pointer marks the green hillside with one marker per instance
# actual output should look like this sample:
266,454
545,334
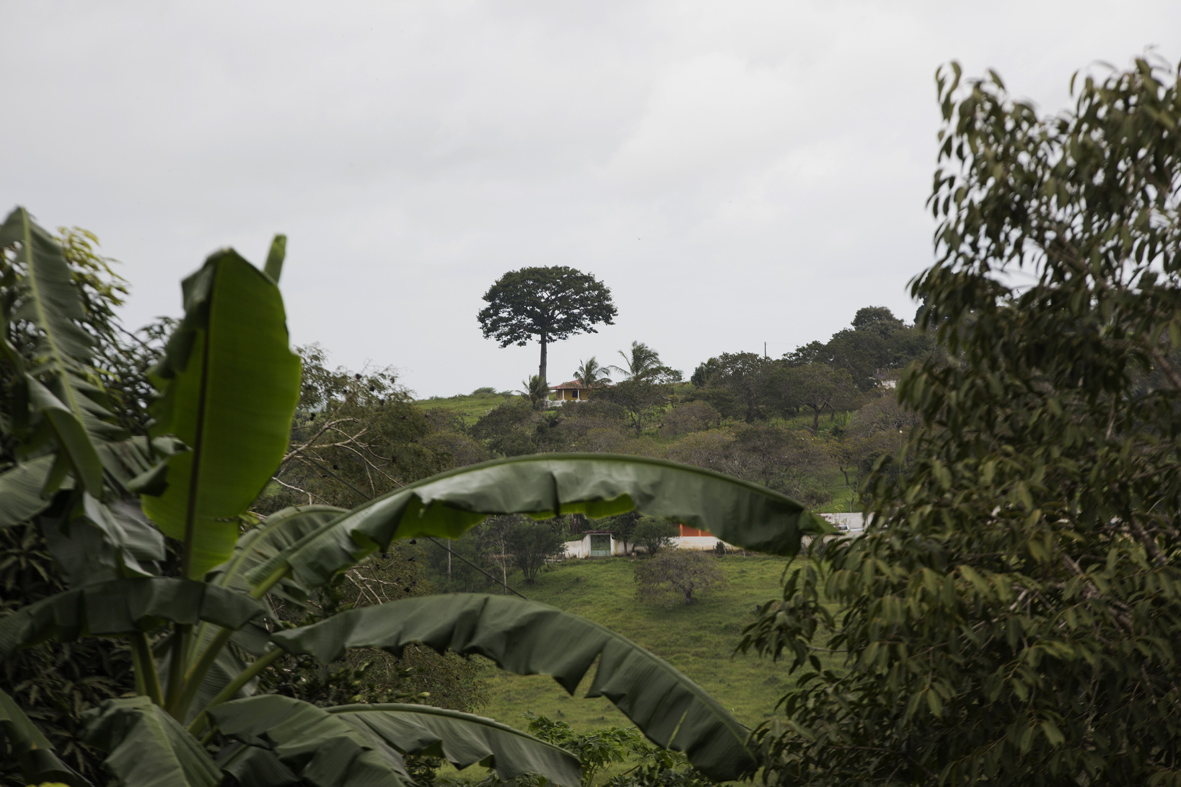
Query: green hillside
698,640
470,407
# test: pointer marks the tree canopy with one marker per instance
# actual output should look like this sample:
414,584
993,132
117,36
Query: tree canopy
1012,614
547,304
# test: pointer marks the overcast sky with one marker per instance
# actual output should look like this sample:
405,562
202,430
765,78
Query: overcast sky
736,172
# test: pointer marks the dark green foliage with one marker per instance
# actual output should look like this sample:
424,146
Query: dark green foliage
546,304
54,682
1012,615
532,544
677,576
877,319
508,429
654,535
815,386
593,749
743,381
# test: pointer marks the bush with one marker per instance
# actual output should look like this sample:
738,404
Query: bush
677,575
531,544
654,534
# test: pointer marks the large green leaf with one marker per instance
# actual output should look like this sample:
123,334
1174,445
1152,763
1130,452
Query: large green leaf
323,749
54,382
254,547
124,606
29,745
597,485
230,385
528,638
294,727
101,542
20,489
147,747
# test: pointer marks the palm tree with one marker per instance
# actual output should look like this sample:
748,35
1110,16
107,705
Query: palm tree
642,364
590,375
535,390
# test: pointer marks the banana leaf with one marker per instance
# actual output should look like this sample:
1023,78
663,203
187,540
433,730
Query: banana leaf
20,489
147,747
597,485
254,547
46,298
103,542
528,638
295,729
30,746
230,383
121,607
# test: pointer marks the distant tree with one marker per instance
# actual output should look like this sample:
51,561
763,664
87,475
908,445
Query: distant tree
816,387
639,398
546,304
508,429
590,375
860,353
787,460
745,378
691,416
677,576
812,352
910,344
705,372
640,363
654,534
531,545
877,319
623,526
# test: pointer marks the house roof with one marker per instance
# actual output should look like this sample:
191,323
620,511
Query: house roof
573,384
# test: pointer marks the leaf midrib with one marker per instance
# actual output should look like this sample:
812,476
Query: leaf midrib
43,316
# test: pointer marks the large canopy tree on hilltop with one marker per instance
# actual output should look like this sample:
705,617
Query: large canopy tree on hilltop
549,304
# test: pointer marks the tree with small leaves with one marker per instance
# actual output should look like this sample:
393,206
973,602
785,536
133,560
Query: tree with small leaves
1012,613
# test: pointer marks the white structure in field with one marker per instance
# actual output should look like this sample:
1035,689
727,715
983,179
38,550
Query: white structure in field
602,543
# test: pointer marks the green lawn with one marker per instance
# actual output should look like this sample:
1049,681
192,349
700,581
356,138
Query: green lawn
698,640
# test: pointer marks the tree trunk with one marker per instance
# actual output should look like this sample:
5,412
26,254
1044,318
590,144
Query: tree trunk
541,368
815,420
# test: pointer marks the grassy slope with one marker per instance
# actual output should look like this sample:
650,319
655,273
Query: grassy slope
470,407
698,640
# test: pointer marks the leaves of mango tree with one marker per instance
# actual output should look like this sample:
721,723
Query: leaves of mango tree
149,748
293,728
596,485
29,745
528,638
124,606
230,385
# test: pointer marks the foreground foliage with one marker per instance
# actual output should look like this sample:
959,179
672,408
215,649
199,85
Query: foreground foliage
1013,613
202,635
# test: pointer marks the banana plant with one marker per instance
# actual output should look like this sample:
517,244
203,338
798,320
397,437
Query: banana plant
228,386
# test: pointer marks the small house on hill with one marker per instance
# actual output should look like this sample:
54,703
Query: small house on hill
572,391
